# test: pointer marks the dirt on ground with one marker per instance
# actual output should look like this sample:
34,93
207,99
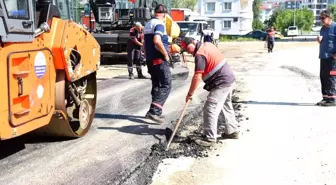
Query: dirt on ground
239,55
243,58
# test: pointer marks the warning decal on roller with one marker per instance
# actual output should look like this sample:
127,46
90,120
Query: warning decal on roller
40,65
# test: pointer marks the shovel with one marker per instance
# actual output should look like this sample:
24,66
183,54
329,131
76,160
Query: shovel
177,124
179,70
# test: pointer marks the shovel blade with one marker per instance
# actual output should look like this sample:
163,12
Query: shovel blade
179,72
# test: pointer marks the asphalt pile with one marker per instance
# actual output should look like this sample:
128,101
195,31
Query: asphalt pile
183,146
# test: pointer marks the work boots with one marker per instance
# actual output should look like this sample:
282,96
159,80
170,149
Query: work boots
234,135
205,142
140,75
130,73
321,102
326,103
153,117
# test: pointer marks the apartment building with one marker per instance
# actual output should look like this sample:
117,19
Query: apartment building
316,6
291,4
228,17
267,9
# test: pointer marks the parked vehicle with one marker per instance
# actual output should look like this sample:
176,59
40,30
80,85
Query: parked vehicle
292,31
194,29
256,34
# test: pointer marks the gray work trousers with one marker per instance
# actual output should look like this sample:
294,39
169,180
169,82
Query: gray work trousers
219,99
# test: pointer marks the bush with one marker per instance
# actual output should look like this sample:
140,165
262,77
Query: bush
227,38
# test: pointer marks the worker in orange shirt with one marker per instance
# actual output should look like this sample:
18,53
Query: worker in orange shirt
270,39
134,45
212,68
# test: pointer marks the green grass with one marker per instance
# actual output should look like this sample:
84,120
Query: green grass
228,38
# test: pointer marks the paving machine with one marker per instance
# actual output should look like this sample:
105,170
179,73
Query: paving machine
48,71
114,22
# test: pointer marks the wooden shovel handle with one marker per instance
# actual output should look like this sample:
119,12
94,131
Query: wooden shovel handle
178,124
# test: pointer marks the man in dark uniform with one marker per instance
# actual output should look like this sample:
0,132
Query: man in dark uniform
327,40
134,45
212,68
208,34
157,59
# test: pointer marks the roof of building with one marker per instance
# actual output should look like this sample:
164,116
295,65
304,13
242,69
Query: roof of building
269,5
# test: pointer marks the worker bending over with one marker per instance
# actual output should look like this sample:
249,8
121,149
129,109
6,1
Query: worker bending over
157,59
211,67
134,45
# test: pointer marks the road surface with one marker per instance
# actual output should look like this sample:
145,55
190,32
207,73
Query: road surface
286,138
120,140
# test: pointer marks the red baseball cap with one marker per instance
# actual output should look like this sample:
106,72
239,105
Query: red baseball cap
185,42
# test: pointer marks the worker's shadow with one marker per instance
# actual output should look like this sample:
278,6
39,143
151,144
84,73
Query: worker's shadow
127,77
275,103
142,130
137,119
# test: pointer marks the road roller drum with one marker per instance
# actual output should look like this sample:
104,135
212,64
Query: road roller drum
48,75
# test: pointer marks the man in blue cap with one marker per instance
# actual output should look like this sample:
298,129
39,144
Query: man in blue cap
157,59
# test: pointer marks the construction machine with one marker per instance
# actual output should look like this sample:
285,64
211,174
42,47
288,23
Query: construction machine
115,19
48,71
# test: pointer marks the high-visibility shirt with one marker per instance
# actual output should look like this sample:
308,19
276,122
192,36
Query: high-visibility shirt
210,61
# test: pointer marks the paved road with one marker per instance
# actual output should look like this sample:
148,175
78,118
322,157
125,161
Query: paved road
303,38
290,140
120,139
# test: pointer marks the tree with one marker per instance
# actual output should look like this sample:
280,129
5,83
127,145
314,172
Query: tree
257,24
177,3
282,19
256,9
332,9
271,21
184,4
305,19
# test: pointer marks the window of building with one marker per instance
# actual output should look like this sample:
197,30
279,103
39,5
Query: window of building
211,24
226,24
227,6
17,9
210,7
